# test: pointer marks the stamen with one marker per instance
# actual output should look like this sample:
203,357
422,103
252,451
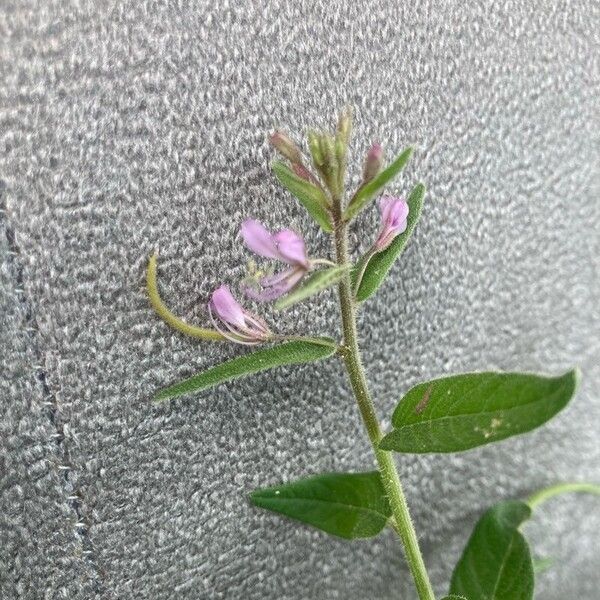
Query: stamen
259,323
245,338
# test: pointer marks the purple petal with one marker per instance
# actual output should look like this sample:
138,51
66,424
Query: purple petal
398,213
227,307
259,240
291,247
294,279
277,279
275,286
393,210
384,206
285,280
394,213
263,295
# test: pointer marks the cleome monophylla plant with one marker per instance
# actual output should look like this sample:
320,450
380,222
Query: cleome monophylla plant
449,414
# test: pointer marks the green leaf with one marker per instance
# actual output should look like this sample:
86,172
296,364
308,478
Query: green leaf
349,505
496,563
456,413
289,353
311,197
316,283
454,597
372,188
380,263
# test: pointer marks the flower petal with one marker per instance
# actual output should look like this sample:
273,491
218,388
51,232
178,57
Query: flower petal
259,240
274,286
394,213
277,278
291,247
387,204
398,213
263,295
227,307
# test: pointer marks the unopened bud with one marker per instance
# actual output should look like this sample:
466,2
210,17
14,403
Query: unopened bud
286,147
328,150
315,148
373,162
331,168
344,126
340,152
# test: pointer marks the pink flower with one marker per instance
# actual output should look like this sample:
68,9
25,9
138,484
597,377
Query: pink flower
241,326
394,212
286,246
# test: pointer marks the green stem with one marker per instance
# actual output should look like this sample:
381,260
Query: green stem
358,381
561,488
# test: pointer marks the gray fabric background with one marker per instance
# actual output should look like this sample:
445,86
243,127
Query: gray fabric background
124,126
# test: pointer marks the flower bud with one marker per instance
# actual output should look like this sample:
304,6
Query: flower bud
328,150
340,153
344,127
286,147
331,168
315,148
373,162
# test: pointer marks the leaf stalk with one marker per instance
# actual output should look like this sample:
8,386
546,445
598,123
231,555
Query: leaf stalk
561,488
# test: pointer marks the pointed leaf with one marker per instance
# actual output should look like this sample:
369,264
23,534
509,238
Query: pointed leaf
289,353
380,263
349,505
316,283
456,413
496,563
372,188
454,597
312,198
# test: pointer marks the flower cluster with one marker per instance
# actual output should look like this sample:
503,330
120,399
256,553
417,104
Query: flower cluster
287,246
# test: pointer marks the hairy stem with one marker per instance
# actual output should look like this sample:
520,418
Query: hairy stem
358,381
561,488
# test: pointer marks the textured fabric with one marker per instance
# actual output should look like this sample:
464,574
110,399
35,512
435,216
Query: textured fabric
124,126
